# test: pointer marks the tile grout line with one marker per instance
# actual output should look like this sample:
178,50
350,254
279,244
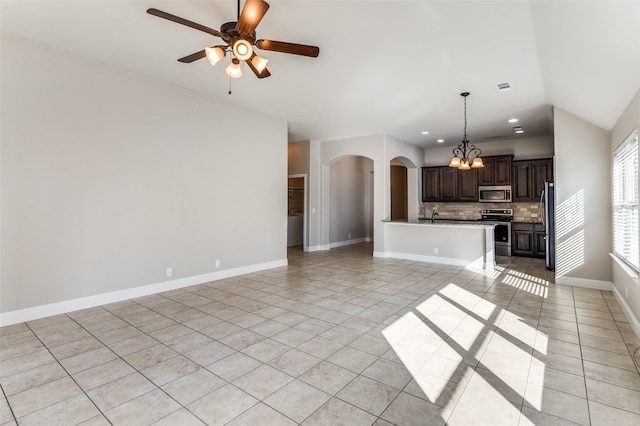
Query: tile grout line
9,405
66,371
533,349
279,282
217,340
584,374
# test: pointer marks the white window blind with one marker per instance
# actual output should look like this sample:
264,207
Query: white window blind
625,201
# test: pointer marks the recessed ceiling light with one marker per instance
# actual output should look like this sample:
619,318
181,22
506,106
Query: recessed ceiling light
520,131
425,133
440,140
513,120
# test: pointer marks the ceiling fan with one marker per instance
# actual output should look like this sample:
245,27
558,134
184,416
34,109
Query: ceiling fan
240,39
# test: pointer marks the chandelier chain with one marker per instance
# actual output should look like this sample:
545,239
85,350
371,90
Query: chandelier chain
465,118
465,149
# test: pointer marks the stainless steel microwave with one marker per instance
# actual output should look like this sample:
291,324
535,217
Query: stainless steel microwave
494,194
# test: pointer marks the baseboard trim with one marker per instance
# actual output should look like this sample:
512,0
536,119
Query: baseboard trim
42,311
422,258
347,242
633,320
330,246
585,283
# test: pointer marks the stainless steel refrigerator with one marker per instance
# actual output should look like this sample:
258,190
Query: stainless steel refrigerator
547,208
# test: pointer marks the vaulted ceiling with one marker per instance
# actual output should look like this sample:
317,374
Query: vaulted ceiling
395,67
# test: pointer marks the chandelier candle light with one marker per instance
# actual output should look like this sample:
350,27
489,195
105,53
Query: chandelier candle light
462,152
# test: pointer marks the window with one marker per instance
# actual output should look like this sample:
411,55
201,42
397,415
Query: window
625,201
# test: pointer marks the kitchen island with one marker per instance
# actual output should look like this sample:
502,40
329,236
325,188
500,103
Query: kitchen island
462,243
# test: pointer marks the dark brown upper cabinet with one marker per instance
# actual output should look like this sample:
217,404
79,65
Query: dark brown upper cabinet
430,184
528,178
468,185
525,177
439,184
496,171
448,184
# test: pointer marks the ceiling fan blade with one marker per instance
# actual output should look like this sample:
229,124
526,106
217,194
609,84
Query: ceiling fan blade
179,20
265,72
193,57
292,48
252,13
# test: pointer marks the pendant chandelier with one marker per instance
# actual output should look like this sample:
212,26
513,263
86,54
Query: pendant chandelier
463,151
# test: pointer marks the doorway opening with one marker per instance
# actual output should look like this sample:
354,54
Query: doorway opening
296,211
398,190
348,201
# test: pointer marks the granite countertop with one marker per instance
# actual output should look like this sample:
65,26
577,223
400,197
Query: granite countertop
442,222
446,219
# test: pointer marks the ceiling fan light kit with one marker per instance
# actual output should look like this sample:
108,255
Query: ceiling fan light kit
214,54
234,70
242,49
240,39
461,153
259,63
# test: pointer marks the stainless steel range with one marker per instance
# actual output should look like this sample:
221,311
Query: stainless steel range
502,218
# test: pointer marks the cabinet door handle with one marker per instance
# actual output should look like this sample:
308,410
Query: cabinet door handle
542,208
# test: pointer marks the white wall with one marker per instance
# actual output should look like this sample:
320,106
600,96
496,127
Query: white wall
411,156
441,244
626,288
583,202
520,148
109,178
298,157
327,153
349,199
381,149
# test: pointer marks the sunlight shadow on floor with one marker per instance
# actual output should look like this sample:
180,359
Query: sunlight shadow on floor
471,357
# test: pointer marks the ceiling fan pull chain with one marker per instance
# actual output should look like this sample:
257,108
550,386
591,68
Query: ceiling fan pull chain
230,59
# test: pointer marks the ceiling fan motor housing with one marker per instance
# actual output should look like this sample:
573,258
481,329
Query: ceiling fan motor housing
230,33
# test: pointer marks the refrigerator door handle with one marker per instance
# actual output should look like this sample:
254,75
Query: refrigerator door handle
542,208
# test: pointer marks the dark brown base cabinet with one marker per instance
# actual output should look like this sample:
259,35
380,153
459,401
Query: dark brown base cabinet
528,240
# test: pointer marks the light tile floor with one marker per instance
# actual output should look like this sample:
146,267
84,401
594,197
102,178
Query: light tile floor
334,338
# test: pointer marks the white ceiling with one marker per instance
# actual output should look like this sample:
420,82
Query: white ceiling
394,67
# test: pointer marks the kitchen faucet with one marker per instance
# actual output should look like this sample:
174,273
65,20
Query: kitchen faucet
433,215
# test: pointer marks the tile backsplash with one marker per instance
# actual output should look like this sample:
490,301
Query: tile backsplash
522,212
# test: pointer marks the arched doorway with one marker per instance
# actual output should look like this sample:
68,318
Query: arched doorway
398,190
349,200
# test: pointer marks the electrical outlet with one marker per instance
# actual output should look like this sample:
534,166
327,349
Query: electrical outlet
217,263
534,214
435,250
169,272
